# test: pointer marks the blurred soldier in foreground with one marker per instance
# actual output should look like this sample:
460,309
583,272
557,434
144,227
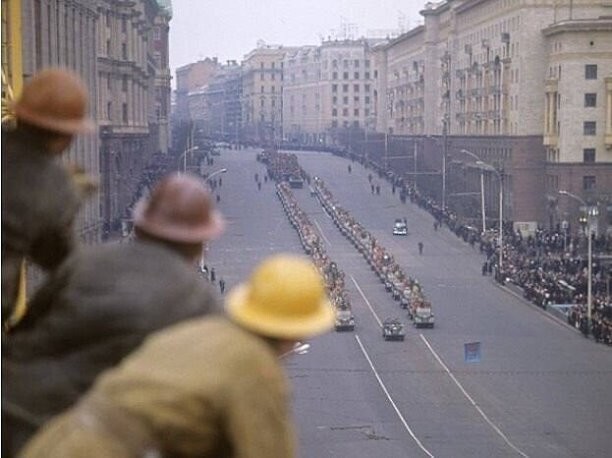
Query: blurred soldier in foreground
103,301
39,197
208,387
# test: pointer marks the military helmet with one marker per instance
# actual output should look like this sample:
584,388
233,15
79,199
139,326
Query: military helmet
54,100
179,209
284,298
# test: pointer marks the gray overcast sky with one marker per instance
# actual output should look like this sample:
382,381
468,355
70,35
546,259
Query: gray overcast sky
229,29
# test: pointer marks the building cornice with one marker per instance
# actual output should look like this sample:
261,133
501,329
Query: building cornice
405,36
579,25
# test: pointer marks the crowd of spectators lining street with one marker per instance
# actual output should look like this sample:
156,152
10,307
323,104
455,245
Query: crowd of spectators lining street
547,266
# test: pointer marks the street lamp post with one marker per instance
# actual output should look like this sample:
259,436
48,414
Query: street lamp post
591,211
484,166
183,156
215,173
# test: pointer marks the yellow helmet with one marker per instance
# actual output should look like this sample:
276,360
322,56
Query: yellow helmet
284,298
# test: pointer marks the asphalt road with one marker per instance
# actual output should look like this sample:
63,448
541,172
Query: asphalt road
540,390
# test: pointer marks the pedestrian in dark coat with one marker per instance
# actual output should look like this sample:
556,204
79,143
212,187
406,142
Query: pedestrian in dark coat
40,198
102,303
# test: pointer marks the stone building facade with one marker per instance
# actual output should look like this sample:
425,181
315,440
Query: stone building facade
133,97
63,33
485,76
328,92
262,94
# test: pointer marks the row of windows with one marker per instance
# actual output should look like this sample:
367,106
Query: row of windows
345,124
345,75
356,99
345,112
346,63
345,88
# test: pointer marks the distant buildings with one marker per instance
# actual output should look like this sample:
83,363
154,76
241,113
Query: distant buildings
526,88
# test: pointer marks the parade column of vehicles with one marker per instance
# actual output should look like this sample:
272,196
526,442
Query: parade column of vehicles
284,167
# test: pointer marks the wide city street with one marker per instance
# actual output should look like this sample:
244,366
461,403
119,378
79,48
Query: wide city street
540,389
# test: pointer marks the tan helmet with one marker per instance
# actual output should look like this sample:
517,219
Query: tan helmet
54,100
284,298
179,209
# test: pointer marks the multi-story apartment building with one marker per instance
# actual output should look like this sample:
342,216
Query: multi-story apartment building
215,109
60,34
262,94
485,76
132,94
328,92
190,78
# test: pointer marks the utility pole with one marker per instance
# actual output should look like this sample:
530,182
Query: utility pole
444,152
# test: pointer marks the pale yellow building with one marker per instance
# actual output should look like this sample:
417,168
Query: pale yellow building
262,93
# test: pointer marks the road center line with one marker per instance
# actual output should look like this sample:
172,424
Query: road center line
321,232
384,388
469,398
367,302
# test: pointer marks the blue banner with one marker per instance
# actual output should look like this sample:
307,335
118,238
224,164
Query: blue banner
472,352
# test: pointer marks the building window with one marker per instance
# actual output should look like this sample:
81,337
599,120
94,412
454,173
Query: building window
334,88
356,75
345,87
261,103
262,77
367,87
356,87
356,112
124,112
109,110
356,63
124,53
262,89
345,100
273,65
273,76
345,75
590,72
356,99
273,102
123,24
366,75
590,100
589,183
124,83
345,112
334,124
334,100
109,82
261,65
367,64
590,128
345,63
588,155
108,48
366,112
335,75
334,112
273,89
367,99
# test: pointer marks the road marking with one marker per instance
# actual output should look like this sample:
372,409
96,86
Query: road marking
321,232
384,388
367,302
469,398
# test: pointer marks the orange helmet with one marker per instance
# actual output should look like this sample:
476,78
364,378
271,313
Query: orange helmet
54,100
179,209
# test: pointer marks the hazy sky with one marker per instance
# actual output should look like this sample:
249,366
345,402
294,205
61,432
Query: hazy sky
229,29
